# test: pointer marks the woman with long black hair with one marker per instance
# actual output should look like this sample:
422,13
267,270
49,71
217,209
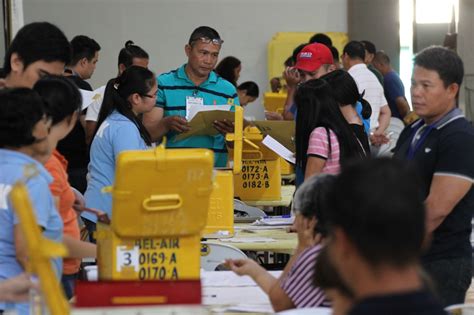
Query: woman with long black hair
324,139
119,128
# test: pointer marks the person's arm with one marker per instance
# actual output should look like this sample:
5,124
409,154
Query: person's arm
445,193
16,289
314,166
90,128
402,106
158,126
384,119
269,284
292,78
77,248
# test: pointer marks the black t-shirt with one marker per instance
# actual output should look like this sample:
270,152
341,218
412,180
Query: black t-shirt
416,303
359,132
447,150
73,146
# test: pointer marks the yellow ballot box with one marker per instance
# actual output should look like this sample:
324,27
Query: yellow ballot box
160,207
274,102
260,176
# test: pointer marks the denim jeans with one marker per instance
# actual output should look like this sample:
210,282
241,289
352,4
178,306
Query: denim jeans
451,277
69,282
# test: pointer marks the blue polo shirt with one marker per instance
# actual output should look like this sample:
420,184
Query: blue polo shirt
116,134
175,86
12,169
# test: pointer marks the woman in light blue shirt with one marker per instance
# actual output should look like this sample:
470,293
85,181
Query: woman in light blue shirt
24,145
119,128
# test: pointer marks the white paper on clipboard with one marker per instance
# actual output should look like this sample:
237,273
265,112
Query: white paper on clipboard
279,149
193,109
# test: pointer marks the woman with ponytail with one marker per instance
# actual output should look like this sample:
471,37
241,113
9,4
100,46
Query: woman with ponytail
119,128
324,139
355,109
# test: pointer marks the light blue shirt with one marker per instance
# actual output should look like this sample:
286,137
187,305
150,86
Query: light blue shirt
12,169
173,89
116,134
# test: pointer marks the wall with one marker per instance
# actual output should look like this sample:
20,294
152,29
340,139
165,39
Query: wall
378,22
162,27
465,43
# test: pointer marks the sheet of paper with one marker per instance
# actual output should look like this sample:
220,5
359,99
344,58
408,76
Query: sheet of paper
88,97
202,123
233,295
281,131
193,109
279,149
274,221
229,279
251,308
247,240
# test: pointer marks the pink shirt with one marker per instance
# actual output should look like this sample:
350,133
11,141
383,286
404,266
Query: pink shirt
320,147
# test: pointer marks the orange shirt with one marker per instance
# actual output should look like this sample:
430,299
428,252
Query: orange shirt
60,188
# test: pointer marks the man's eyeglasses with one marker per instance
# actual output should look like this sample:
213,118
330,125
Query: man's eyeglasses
206,40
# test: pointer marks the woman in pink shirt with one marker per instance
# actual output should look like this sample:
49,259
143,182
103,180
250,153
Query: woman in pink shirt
324,139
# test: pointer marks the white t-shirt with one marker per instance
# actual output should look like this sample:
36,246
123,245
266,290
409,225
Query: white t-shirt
367,81
93,110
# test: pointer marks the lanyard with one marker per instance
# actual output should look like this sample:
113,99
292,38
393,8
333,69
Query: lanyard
415,144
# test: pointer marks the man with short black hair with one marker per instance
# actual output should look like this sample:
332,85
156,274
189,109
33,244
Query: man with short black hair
38,49
441,145
194,83
376,230
353,57
392,85
370,52
85,55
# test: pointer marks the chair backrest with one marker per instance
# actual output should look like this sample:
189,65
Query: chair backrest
213,255
393,131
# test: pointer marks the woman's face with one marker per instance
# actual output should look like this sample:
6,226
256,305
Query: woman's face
144,103
237,72
60,130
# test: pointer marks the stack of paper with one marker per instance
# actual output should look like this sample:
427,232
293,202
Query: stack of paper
279,149
88,97
274,221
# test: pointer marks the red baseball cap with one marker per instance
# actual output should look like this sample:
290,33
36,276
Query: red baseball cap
313,56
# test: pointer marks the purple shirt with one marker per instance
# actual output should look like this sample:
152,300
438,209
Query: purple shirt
298,283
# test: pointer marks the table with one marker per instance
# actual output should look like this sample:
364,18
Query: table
285,243
285,201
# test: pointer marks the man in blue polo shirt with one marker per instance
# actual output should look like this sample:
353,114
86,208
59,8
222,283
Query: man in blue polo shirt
441,146
194,83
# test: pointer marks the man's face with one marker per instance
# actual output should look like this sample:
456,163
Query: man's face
431,99
202,57
89,66
27,77
306,76
368,57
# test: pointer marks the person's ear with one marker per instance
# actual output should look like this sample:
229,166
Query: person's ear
122,68
453,90
16,63
135,98
83,62
187,50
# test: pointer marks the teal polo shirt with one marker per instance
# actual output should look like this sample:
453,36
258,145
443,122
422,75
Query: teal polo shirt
174,87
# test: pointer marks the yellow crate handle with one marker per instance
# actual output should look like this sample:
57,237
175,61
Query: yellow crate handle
178,202
257,152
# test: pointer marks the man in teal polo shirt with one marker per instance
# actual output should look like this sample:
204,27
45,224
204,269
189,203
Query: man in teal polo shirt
193,83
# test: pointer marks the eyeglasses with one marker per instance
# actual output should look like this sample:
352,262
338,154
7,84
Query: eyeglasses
207,40
148,95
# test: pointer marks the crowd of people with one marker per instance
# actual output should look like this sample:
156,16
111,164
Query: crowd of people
375,236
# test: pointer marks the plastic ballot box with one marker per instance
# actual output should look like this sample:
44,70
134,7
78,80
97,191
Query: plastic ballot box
260,176
160,206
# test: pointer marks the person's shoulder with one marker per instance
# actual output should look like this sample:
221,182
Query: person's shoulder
167,77
459,128
225,86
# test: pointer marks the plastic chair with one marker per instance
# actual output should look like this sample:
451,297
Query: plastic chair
393,131
213,255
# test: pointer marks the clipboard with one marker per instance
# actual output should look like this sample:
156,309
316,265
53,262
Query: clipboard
281,131
202,123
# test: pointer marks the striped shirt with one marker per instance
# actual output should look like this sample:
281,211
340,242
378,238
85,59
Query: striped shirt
173,89
320,147
298,283
368,82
